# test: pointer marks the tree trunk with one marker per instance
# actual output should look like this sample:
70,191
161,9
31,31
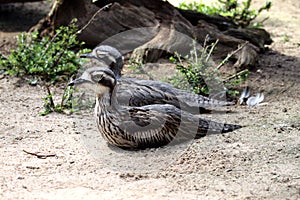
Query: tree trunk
17,1
152,29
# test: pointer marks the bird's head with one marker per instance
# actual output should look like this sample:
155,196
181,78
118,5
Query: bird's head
109,55
101,80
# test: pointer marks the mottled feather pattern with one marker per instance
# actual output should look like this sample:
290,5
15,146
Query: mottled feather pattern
152,125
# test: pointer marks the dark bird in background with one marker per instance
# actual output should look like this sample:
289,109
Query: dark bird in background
141,127
137,92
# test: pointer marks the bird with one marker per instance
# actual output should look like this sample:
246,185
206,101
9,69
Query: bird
138,92
141,127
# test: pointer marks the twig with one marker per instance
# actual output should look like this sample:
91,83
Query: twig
211,50
206,40
2,45
49,44
231,54
235,75
179,59
49,96
286,88
205,46
93,17
262,21
67,96
38,155
78,32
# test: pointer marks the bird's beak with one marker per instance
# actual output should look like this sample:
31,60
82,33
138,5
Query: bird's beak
86,55
79,81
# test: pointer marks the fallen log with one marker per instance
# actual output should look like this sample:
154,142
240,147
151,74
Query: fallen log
152,29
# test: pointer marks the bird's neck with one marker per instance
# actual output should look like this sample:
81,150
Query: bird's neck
102,104
119,67
106,104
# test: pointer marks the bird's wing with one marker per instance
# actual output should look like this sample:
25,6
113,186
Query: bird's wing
131,93
185,98
165,87
158,124
146,118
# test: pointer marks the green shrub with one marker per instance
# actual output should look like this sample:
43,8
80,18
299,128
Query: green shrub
201,7
240,12
198,74
46,60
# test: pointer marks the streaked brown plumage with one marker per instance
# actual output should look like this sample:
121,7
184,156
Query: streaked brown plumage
142,127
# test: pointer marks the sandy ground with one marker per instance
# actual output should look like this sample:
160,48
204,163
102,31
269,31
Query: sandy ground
260,161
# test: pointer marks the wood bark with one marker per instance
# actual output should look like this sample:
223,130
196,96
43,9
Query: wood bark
153,28
17,1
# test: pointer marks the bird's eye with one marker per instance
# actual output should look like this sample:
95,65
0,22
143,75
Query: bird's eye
101,54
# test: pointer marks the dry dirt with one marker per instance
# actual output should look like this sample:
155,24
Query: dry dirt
259,161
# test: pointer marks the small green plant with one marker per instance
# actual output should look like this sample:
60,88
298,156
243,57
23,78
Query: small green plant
239,11
66,102
70,103
201,7
286,38
198,74
46,61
